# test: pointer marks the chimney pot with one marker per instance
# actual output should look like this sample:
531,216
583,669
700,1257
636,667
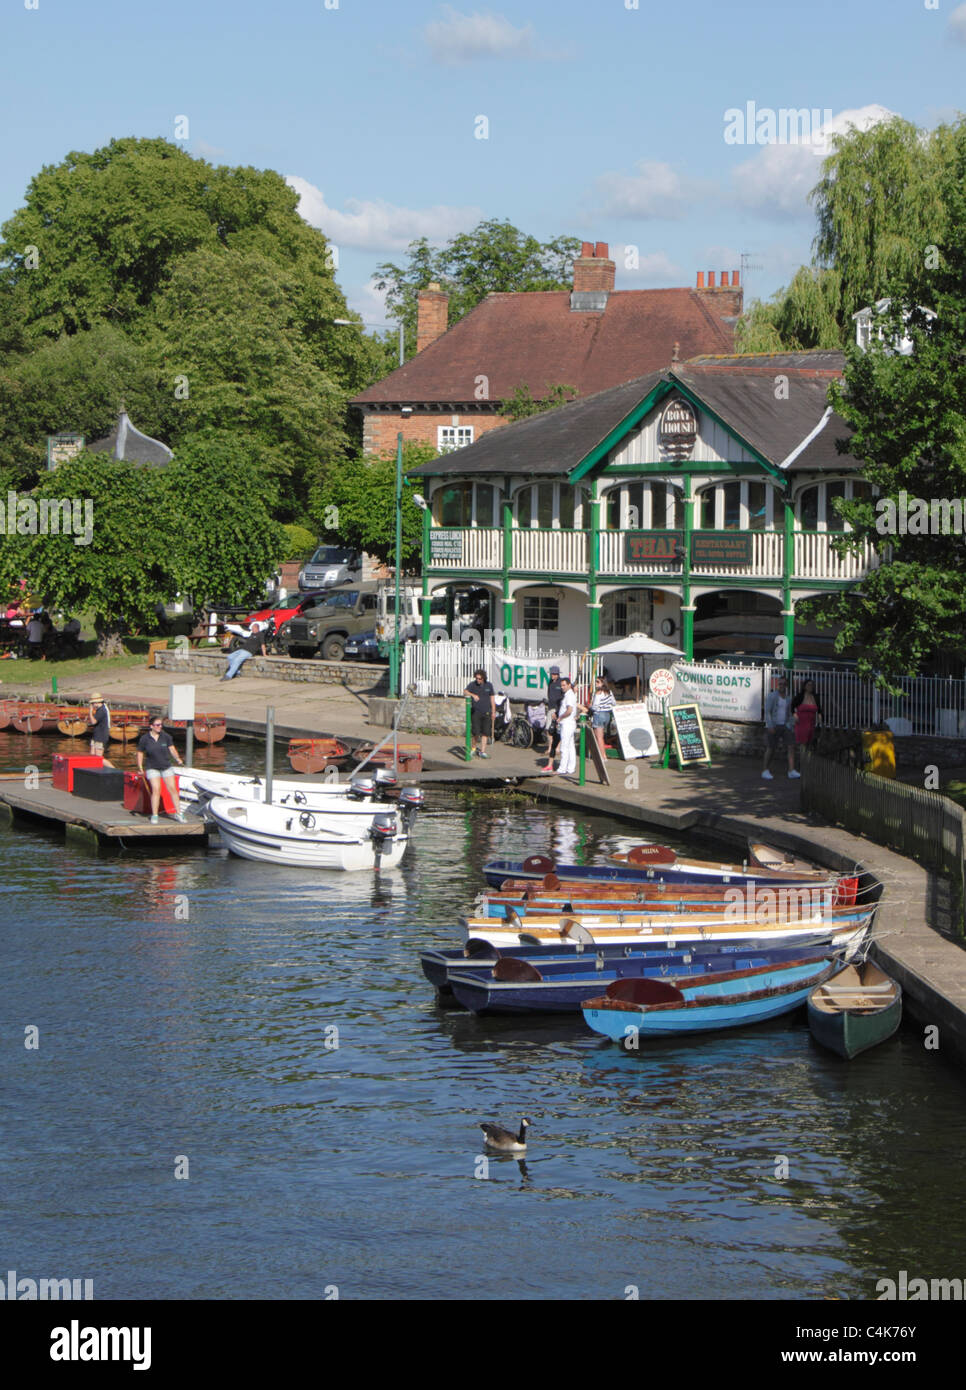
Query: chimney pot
724,279
735,278
710,279
432,315
600,250
586,249
700,279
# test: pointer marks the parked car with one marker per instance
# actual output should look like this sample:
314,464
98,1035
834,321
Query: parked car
286,608
330,565
364,647
322,629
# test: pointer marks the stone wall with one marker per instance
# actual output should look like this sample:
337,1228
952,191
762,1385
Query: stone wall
430,714
354,674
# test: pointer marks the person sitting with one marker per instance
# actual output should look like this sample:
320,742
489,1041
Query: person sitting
35,637
252,645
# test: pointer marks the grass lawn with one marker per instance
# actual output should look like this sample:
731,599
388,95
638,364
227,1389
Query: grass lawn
38,674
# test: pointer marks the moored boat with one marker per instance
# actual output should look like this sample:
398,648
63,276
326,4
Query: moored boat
856,1009
128,724
72,721
274,834
649,1008
642,870
33,717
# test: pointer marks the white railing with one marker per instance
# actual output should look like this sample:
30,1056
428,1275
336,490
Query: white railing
481,549
551,552
816,557
930,705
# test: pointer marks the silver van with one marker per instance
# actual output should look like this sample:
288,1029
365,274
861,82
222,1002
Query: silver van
331,564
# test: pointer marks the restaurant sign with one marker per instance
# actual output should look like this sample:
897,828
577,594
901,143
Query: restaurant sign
646,547
721,548
445,545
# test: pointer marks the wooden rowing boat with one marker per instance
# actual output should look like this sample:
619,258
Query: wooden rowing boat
208,728
649,1008
34,718
858,1008
72,721
7,710
661,858
579,897
128,724
316,754
635,867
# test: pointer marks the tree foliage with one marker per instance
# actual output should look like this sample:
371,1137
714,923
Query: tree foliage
495,257
908,414
522,403
880,204
359,504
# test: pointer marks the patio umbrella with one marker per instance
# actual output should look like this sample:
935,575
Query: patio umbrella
639,645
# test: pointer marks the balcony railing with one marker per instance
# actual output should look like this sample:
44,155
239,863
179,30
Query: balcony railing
548,552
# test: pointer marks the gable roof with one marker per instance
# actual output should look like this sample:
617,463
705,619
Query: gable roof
739,391
535,339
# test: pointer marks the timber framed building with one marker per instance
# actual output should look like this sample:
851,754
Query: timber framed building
696,504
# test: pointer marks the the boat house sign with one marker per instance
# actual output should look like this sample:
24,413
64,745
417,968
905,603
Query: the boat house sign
678,429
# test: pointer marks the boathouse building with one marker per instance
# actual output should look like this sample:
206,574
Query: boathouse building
696,504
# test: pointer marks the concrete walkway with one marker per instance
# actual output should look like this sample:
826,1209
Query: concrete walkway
916,942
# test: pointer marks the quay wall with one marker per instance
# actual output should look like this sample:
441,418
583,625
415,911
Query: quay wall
356,675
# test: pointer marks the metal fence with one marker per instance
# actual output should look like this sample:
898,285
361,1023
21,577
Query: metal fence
929,705
922,825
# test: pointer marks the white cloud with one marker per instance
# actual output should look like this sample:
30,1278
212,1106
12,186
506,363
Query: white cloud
377,225
652,267
776,181
462,38
206,151
957,24
654,191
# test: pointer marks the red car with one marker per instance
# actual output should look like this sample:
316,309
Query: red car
286,608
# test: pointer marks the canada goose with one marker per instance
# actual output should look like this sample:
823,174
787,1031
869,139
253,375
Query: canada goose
496,1137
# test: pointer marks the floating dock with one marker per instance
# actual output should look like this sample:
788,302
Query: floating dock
106,820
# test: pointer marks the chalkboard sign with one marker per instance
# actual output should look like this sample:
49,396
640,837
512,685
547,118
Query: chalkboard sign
690,740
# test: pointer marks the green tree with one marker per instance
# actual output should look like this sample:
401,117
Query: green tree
360,502
880,204
522,403
908,414
495,257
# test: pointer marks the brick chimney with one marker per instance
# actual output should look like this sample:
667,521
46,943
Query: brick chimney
593,269
724,300
432,315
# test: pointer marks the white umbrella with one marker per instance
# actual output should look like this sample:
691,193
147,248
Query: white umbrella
639,645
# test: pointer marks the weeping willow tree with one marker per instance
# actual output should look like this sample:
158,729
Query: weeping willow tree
881,210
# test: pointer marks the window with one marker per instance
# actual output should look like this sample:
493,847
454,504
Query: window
748,505
540,614
466,504
645,507
449,437
627,611
369,601
549,506
345,599
815,506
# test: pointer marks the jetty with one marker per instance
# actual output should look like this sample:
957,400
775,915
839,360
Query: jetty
103,820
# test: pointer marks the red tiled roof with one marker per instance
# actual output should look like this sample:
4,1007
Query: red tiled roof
535,339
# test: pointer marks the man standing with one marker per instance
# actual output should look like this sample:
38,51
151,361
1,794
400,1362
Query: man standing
567,724
100,717
249,646
554,697
483,695
779,728
156,749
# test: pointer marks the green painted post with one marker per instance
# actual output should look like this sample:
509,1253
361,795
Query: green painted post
583,752
788,569
394,649
687,608
469,730
666,758
592,603
507,565
53,686
427,526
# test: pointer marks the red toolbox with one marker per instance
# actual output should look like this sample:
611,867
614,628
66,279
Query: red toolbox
137,795
66,765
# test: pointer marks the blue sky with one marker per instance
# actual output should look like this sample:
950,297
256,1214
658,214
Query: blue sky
604,121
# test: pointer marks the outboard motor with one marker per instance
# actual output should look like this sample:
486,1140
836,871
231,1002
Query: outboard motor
361,787
386,780
410,801
383,832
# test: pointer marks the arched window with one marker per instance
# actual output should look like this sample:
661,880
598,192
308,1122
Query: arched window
644,506
624,612
466,504
550,506
742,505
815,507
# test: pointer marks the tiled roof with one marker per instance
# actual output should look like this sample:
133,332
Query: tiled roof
741,391
537,340
125,442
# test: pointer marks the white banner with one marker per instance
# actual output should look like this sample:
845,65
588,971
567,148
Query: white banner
635,731
524,678
720,692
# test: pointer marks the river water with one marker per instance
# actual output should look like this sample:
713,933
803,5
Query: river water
189,1005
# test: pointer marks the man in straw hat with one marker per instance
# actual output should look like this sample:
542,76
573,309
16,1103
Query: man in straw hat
100,717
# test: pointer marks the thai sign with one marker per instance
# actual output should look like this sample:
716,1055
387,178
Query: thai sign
724,548
445,545
721,692
646,547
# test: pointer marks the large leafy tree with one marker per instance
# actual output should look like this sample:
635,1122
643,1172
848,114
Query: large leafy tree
358,504
909,418
880,203
494,257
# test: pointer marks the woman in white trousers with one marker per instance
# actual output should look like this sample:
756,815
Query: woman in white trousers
567,724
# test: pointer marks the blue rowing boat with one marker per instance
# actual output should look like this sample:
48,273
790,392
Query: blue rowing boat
657,870
518,986
650,1008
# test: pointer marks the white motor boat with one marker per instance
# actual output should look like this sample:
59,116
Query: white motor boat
302,838
197,784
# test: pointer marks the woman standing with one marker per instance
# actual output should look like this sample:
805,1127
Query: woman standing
601,707
806,712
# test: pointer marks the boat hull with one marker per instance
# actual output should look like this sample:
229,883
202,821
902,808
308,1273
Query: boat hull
280,839
874,1015
497,871
728,1002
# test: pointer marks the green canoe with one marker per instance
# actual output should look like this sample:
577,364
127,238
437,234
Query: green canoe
854,1010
